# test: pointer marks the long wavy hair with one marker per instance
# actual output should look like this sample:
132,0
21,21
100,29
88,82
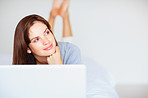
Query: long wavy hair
21,40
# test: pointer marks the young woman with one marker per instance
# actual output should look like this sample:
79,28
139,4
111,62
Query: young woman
34,41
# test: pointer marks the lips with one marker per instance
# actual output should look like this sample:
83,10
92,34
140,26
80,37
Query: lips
49,47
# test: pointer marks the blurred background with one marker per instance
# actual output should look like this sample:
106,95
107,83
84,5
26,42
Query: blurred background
113,33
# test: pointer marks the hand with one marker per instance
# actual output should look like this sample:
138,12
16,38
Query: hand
55,58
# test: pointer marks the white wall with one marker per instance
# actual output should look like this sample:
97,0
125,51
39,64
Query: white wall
114,33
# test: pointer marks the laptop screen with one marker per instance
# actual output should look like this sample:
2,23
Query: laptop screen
43,81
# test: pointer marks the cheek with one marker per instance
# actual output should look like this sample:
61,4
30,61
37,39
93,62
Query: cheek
52,39
35,48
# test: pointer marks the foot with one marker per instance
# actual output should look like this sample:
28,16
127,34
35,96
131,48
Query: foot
59,7
64,8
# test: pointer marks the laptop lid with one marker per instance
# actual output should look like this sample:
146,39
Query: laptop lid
43,81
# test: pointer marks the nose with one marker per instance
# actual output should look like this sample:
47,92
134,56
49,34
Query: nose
46,41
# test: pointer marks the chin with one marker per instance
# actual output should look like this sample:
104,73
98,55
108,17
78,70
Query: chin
50,52
46,53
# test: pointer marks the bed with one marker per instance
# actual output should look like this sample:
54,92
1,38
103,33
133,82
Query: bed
100,83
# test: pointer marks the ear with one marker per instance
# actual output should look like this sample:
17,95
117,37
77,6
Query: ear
28,50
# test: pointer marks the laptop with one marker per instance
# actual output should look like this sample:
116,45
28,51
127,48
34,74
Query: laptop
42,81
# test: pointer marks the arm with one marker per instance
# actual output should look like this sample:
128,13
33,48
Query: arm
73,54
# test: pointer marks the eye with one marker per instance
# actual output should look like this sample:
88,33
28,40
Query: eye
36,40
47,33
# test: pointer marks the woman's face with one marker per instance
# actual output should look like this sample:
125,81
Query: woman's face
42,40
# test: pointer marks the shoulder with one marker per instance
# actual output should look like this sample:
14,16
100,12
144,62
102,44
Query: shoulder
70,53
68,46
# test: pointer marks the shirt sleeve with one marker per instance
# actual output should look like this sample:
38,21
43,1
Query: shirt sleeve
73,55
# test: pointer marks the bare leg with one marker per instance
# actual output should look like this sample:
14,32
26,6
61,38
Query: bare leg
54,12
64,7
60,7
67,31
53,15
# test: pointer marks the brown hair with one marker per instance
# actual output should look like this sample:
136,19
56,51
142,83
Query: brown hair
21,39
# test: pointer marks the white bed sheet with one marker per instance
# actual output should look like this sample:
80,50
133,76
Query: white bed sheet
100,83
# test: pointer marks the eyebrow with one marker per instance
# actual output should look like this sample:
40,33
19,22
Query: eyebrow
37,36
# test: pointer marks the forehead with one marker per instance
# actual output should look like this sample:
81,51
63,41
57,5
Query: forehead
37,28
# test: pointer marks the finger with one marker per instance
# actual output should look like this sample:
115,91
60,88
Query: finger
57,49
48,60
